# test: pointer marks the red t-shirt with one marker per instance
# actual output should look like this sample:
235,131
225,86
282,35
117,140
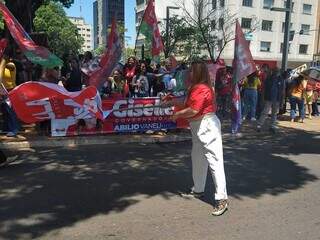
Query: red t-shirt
226,83
201,98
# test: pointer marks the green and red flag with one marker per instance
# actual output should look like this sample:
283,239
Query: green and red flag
36,54
149,28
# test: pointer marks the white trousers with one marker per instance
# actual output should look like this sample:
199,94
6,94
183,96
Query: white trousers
207,152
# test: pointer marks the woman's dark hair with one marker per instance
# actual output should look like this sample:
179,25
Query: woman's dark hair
88,55
138,70
298,80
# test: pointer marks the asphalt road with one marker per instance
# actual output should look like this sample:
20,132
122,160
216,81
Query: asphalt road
131,191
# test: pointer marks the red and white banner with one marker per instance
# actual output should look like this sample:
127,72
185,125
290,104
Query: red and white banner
38,101
243,64
109,59
146,116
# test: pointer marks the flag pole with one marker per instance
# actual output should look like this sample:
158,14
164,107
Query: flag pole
138,32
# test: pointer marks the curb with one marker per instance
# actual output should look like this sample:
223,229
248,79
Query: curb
92,140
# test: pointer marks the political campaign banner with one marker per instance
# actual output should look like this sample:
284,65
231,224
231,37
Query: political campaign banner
38,101
126,115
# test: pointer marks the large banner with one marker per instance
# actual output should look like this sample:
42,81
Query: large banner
127,115
38,101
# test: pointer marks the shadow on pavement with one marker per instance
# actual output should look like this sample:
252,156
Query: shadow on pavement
53,188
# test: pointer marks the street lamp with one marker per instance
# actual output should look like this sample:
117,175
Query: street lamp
287,10
168,28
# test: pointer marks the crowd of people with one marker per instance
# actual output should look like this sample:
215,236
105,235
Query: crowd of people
261,92
268,90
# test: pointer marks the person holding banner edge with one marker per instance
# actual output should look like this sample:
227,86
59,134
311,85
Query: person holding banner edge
199,109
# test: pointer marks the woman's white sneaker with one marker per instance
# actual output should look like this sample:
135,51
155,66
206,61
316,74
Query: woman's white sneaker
220,207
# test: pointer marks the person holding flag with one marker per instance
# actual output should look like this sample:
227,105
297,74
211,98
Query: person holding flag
199,109
149,28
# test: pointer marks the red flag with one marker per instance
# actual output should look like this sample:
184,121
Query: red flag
32,51
149,28
109,59
243,64
3,45
38,101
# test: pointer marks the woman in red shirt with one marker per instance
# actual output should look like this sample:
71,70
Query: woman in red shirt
199,109
129,70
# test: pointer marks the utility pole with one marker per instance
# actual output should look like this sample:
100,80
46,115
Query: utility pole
168,29
284,64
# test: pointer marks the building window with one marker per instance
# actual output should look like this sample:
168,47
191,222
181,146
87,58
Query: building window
303,49
246,23
307,9
281,48
222,3
219,44
305,29
247,3
268,4
285,5
265,46
214,4
266,25
221,23
283,24
213,24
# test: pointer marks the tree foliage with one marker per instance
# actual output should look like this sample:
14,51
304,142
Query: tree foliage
62,33
24,10
179,36
213,27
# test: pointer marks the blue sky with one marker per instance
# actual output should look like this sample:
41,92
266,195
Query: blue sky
87,14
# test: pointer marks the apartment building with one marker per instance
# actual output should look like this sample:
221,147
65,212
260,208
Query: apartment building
85,31
103,12
266,41
317,38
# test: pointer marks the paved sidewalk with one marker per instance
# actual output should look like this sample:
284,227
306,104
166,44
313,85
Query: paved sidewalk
30,138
